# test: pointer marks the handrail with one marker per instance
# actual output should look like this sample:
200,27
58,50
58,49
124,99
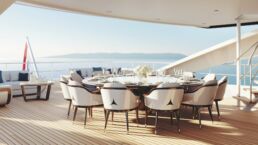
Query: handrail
255,47
253,67
246,51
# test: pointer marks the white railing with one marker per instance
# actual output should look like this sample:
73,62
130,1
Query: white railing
52,70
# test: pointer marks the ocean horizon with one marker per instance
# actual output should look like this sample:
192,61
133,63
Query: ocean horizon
54,66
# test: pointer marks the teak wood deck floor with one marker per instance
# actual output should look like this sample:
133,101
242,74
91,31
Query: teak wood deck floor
45,122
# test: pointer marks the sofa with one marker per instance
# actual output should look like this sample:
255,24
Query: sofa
13,79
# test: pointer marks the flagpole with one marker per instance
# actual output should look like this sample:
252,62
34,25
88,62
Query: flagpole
24,62
33,58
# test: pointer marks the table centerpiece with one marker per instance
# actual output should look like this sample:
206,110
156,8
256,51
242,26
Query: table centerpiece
142,72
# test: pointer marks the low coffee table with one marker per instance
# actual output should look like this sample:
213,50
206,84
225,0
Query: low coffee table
39,86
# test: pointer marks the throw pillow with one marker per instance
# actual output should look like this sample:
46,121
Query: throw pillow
1,79
23,77
95,69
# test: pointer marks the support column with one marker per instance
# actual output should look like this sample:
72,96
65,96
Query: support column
238,62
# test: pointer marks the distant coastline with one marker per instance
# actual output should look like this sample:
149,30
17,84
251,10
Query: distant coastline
171,56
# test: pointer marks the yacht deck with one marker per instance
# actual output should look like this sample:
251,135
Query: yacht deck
45,122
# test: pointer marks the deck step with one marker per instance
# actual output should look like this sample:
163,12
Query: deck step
246,100
243,99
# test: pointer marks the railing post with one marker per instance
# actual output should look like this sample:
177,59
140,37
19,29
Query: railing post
244,74
251,81
238,62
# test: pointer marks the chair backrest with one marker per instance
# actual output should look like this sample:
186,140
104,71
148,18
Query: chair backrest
188,74
209,77
81,96
116,96
167,96
63,84
206,94
222,84
75,76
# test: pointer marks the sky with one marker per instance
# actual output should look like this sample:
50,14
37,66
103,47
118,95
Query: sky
56,33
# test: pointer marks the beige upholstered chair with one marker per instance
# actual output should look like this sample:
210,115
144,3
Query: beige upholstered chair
222,84
166,97
117,98
82,98
75,76
5,95
188,74
203,97
63,84
209,77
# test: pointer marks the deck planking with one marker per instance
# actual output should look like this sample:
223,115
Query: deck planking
45,122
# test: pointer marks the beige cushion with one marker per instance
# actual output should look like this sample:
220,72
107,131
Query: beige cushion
5,76
168,85
74,83
63,79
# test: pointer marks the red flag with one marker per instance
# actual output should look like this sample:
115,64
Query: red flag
25,57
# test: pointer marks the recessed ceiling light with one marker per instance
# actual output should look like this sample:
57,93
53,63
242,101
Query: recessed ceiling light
216,10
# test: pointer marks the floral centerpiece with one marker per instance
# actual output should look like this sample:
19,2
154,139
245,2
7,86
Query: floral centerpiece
143,71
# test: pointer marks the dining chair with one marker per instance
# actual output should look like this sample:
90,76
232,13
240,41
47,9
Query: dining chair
166,97
63,84
117,98
210,76
82,98
222,84
200,98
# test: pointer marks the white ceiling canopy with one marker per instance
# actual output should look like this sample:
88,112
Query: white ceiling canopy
199,13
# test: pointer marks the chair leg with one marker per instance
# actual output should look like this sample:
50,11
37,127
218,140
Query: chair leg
127,124
193,112
199,115
171,117
178,120
156,122
69,108
85,119
146,116
137,115
91,112
210,112
217,106
107,115
75,112
112,119
196,112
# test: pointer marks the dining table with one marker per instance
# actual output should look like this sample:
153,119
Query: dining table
141,86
